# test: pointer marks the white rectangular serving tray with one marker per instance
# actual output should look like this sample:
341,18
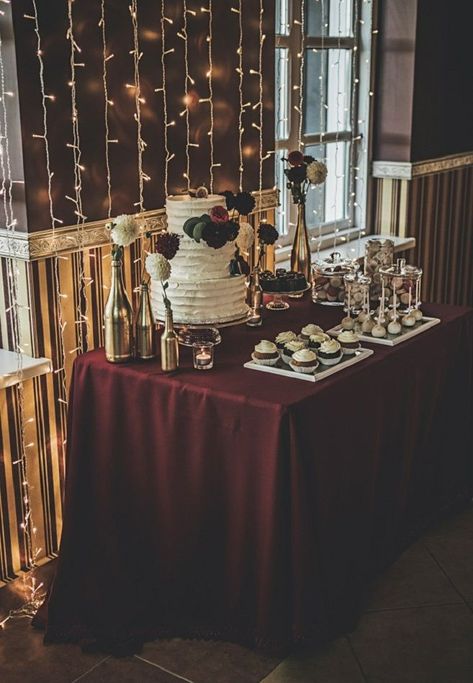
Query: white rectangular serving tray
390,339
321,372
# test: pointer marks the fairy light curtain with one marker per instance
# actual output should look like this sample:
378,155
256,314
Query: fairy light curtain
114,72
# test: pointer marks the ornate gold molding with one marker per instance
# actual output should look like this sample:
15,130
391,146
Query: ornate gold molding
47,243
405,170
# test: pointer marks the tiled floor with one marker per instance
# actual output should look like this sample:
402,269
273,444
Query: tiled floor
417,628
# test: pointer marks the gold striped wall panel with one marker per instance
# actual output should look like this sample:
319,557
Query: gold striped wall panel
45,415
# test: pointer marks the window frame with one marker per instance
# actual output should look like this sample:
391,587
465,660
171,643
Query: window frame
360,114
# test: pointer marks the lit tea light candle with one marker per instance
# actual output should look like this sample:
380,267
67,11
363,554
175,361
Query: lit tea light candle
203,356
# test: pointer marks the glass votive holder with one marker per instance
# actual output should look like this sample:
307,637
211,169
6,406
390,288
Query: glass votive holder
203,355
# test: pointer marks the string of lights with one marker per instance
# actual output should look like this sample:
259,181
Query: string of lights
241,130
322,121
210,98
260,98
81,317
168,156
27,525
107,104
141,145
187,80
45,98
301,56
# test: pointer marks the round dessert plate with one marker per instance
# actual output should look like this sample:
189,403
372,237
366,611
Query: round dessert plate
198,335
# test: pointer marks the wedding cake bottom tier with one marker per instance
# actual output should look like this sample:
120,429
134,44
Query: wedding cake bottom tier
221,300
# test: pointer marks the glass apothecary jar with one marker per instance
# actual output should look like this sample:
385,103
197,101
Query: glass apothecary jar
357,293
401,285
379,253
328,286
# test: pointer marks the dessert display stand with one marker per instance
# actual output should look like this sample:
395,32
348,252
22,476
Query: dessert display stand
278,302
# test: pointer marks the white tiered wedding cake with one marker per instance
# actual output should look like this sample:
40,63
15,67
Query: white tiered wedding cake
201,289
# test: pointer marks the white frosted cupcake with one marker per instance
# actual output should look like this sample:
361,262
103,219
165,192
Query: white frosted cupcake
316,340
349,342
265,353
283,338
304,361
290,348
308,330
330,353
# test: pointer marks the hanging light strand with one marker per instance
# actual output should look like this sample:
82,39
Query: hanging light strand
62,387
322,120
27,526
165,104
106,106
78,167
301,74
260,96
138,99
211,95
241,167
187,80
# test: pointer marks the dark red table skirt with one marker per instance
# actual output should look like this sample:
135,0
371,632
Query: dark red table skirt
249,507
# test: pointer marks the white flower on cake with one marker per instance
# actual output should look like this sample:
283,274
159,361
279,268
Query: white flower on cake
316,172
158,267
246,237
124,230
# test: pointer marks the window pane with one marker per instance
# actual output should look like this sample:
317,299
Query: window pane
282,93
282,17
327,91
329,18
328,203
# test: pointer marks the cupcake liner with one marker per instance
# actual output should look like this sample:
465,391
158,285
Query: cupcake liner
331,361
305,370
264,361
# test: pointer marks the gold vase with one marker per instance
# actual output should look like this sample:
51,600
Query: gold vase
169,345
118,319
300,254
145,344
256,291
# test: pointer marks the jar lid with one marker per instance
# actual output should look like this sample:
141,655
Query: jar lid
336,265
401,269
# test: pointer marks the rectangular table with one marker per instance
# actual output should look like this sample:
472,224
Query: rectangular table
254,508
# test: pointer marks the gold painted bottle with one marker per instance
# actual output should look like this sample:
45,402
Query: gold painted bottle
145,344
169,345
300,254
118,319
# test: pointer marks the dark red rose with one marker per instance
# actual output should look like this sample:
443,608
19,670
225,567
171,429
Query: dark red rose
231,230
167,244
219,214
295,158
215,235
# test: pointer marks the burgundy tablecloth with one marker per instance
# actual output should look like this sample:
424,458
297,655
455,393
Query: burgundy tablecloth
250,507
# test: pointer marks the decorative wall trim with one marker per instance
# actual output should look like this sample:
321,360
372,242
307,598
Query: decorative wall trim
46,243
404,170
399,170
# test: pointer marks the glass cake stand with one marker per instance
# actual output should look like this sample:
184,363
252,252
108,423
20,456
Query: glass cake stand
278,302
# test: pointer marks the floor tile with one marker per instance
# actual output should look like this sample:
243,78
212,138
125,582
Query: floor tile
24,658
336,664
452,546
128,670
204,661
430,644
414,579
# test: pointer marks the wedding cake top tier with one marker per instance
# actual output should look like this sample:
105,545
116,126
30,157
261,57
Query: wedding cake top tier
181,207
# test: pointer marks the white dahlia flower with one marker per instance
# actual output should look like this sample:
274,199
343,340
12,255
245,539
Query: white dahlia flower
245,238
316,172
158,267
125,230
